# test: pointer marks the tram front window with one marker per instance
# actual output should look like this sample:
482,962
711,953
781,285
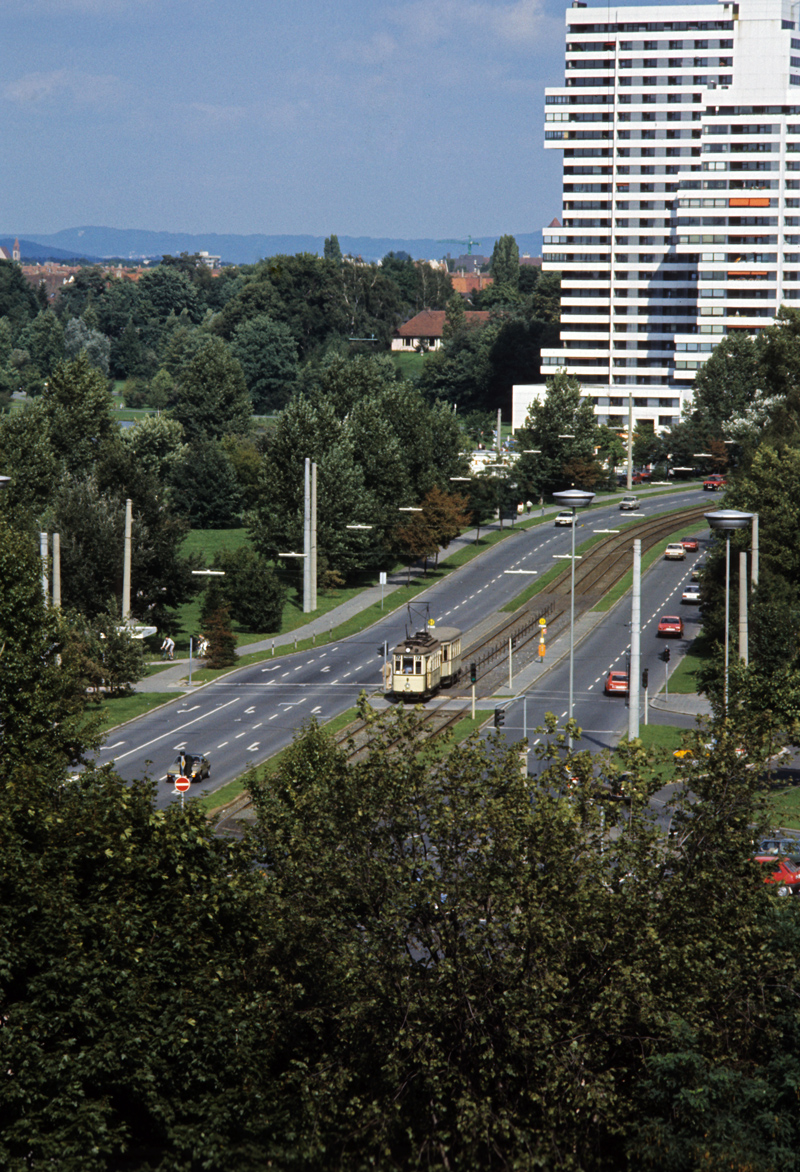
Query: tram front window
408,665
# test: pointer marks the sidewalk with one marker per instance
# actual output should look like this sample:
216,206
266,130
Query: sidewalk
174,678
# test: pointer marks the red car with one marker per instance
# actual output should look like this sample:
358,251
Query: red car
616,681
714,483
670,624
690,544
786,877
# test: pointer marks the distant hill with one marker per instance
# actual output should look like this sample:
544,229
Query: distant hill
32,251
100,243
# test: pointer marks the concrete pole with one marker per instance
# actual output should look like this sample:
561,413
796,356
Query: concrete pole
572,629
754,548
630,442
57,569
636,656
727,609
307,539
313,537
126,568
45,576
499,421
743,649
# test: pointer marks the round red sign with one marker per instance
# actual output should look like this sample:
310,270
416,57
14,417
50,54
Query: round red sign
182,784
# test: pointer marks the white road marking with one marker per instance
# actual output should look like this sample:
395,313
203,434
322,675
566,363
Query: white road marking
236,738
171,732
222,746
328,668
273,668
346,674
274,715
258,725
252,748
248,711
115,746
315,710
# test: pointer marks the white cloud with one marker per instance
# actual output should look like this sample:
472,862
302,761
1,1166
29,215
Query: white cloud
435,22
85,89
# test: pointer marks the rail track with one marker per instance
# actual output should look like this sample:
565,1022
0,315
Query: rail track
356,740
600,569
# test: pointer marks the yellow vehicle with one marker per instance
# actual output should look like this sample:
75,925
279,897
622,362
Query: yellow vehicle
425,662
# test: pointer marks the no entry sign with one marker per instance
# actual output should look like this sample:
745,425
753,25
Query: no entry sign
182,784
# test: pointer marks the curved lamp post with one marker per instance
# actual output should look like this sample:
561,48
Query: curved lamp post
573,498
728,520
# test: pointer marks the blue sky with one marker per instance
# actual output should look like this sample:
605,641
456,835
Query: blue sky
410,118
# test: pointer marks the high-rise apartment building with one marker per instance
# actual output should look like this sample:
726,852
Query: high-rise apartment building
680,127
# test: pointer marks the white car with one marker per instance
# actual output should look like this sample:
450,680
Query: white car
564,518
691,593
629,503
675,552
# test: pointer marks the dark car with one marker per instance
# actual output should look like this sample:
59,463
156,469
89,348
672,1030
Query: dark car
195,766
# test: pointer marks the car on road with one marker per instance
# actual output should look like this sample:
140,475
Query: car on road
779,846
192,765
670,624
714,483
690,544
616,682
629,503
697,570
564,518
691,593
785,876
675,552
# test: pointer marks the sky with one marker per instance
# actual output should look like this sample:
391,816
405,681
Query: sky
410,118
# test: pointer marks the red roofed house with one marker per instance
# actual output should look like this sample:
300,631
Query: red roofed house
424,330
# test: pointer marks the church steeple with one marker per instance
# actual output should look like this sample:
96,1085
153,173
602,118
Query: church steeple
15,253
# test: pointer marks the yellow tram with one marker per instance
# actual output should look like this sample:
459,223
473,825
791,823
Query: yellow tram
425,662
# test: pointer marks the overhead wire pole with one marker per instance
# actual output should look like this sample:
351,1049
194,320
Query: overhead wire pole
313,558
307,539
636,628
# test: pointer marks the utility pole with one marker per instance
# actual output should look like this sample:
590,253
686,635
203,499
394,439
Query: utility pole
636,627
57,569
126,568
630,442
310,538
743,648
45,577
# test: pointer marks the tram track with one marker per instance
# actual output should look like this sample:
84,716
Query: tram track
600,570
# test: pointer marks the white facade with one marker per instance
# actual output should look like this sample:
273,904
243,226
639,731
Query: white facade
680,126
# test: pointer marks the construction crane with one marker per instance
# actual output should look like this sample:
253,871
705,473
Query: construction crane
469,243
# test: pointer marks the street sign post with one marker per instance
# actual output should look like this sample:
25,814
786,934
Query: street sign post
181,785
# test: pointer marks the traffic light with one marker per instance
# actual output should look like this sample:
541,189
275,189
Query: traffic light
665,654
645,678
473,673
499,716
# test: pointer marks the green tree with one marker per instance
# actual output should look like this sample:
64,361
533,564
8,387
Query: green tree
211,398
504,265
204,485
221,639
256,595
267,353
79,338
331,249
562,412
44,725
77,405
44,340
18,302
727,383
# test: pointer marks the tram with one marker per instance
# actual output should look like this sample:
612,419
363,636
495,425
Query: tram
425,662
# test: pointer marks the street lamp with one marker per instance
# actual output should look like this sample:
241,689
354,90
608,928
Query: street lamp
728,520
573,498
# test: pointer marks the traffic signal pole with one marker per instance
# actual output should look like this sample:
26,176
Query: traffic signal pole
636,628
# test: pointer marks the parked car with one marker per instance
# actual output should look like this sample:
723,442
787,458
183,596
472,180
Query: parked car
785,876
691,593
670,624
640,478
564,518
192,765
714,483
675,552
629,503
690,544
616,681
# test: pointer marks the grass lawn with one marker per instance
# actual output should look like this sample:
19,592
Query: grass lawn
409,364
785,805
683,680
123,708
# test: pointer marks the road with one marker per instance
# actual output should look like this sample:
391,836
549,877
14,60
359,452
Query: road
247,716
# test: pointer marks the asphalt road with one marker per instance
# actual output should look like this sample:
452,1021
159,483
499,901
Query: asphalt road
244,718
